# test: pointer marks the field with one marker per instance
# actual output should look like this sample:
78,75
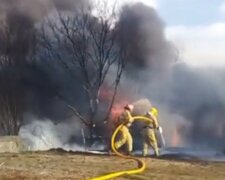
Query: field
61,165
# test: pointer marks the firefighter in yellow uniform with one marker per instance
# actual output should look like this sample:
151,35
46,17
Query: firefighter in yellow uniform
125,137
148,132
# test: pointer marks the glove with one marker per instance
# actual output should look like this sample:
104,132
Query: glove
149,114
160,129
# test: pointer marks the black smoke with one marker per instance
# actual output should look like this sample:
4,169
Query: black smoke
38,9
197,94
191,100
141,33
194,94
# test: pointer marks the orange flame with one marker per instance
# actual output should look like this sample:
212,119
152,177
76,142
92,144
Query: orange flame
120,101
116,110
175,138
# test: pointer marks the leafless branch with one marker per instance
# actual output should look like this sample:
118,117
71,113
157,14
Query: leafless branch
86,47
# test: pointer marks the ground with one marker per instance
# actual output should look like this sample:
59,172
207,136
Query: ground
55,165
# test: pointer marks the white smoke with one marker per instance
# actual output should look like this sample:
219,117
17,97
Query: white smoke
44,134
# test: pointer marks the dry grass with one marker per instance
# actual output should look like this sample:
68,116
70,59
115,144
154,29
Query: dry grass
60,165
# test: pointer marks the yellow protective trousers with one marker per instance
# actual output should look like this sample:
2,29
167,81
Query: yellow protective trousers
149,138
125,138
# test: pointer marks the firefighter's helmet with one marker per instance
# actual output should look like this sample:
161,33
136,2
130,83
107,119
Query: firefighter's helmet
153,111
129,107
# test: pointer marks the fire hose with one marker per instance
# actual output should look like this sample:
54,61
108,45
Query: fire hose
141,164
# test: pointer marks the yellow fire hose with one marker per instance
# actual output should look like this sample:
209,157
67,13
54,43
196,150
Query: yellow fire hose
141,163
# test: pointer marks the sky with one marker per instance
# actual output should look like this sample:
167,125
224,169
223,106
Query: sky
196,27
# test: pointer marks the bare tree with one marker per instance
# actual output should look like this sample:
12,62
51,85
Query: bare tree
11,103
85,46
16,44
17,38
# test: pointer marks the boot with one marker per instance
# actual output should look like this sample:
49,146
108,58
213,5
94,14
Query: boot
129,153
157,153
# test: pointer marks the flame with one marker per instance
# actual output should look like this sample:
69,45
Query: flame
105,94
121,100
116,110
175,138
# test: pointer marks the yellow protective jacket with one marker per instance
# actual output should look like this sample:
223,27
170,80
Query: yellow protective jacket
126,118
149,137
125,136
154,123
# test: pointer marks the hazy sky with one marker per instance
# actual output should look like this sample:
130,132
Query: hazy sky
197,27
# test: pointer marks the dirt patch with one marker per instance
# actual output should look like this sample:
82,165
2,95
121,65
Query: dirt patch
58,166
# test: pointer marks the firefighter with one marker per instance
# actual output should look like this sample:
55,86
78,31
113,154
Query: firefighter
125,137
148,132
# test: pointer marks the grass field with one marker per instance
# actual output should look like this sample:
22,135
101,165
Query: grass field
60,165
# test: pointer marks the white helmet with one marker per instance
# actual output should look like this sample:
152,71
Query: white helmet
129,107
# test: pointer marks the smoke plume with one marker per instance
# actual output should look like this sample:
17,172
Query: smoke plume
44,134
197,94
141,32
38,9
191,101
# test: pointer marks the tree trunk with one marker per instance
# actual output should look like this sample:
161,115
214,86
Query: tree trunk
93,111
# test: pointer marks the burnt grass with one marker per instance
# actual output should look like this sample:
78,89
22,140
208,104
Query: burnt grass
58,164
